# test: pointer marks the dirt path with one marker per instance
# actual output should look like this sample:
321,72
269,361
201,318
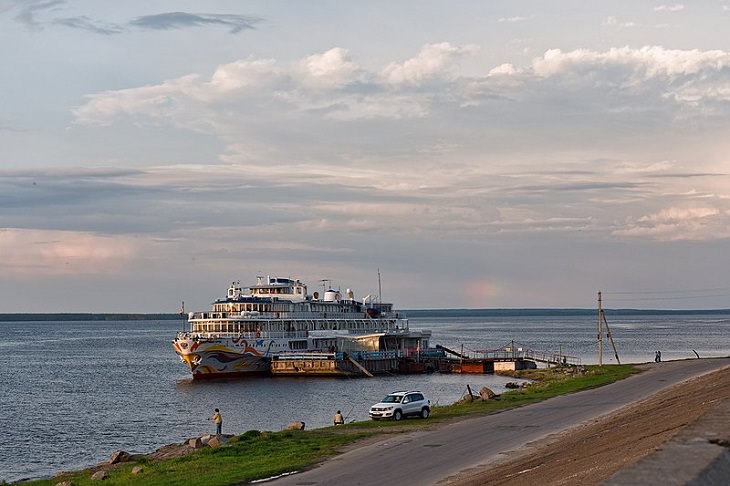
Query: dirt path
593,452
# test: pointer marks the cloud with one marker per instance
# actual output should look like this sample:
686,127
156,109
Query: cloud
33,252
81,199
614,22
33,14
9,128
28,11
180,20
636,64
93,26
328,83
332,85
330,70
669,8
680,224
152,101
688,82
512,19
327,130
434,60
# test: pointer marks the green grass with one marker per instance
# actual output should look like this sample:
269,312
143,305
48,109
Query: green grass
256,455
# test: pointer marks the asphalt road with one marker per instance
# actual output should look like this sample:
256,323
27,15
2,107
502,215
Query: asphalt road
428,457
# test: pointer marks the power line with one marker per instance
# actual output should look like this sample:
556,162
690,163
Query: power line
682,291
679,297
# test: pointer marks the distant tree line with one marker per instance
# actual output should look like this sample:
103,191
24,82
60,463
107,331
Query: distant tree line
527,312
88,317
547,312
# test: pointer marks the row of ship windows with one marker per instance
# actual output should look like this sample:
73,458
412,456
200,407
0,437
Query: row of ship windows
281,308
282,326
310,364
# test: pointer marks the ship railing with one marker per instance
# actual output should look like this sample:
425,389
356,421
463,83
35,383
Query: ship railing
243,335
339,356
253,335
416,352
226,325
372,355
313,356
271,317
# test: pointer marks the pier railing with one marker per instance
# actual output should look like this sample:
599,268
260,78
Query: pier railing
514,352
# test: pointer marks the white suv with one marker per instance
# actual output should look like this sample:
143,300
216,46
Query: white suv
400,404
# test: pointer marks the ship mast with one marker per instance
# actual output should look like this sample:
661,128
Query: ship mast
380,289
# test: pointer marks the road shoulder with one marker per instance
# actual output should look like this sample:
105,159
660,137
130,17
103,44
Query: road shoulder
593,452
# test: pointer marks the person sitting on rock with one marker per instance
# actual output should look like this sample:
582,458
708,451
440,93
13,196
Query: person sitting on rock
339,419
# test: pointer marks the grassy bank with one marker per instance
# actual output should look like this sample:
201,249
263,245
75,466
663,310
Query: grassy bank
256,455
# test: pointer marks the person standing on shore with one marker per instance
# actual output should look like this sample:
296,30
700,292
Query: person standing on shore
218,421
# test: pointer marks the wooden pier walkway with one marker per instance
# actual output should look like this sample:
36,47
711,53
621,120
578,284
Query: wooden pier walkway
514,352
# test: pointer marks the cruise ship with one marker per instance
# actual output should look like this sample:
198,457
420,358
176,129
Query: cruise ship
278,318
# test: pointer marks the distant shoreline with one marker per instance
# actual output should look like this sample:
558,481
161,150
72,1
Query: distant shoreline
547,312
506,312
73,316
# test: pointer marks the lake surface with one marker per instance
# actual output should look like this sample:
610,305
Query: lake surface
73,392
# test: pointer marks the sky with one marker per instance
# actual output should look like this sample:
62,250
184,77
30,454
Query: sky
476,154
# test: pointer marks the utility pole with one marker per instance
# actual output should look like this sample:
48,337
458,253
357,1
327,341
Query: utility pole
600,330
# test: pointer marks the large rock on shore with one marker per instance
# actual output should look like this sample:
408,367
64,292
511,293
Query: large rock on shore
295,425
119,456
217,440
99,476
486,394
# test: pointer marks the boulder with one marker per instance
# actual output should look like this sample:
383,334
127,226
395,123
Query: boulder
467,398
119,456
137,470
486,394
205,438
295,425
99,476
196,443
218,440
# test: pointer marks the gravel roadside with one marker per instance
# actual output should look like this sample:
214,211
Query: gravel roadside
592,453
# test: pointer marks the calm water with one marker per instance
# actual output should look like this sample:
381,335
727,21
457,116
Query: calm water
73,392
